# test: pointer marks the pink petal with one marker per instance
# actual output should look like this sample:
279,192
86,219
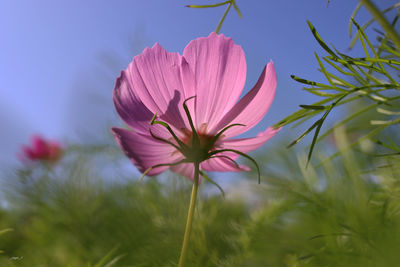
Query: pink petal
129,107
54,151
133,111
219,68
156,77
184,169
222,165
253,106
28,153
39,147
145,151
249,144
214,164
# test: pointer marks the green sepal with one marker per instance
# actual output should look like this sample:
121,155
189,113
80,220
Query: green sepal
218,135
161,165
153,121
194,132
164,140
205,176
228,158
241,154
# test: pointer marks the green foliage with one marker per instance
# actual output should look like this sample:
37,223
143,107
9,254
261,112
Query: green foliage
372,80
78,221
343,213
3,232
368,23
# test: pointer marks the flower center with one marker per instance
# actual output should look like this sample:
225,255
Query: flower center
198,145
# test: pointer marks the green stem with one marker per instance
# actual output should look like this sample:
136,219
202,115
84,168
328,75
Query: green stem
380,18
190,214
206,6
223,18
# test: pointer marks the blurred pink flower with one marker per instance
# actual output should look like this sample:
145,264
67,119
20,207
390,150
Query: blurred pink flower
208,80
41,150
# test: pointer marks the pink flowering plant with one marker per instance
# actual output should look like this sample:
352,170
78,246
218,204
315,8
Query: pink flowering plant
41,149
187,113
185,110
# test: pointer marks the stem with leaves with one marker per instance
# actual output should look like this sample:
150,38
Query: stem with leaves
370,78
380,18
230,3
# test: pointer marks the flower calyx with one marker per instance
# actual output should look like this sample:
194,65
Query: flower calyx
197,146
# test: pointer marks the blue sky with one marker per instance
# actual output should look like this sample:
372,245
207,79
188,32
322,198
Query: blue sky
60,59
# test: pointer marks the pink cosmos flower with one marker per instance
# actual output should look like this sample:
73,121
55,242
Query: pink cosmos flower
193,103
41,150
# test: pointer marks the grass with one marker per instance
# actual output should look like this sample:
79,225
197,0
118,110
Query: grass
343,213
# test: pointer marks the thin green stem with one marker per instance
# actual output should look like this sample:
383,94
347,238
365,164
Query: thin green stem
380,18
205,6
190,214
223,18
